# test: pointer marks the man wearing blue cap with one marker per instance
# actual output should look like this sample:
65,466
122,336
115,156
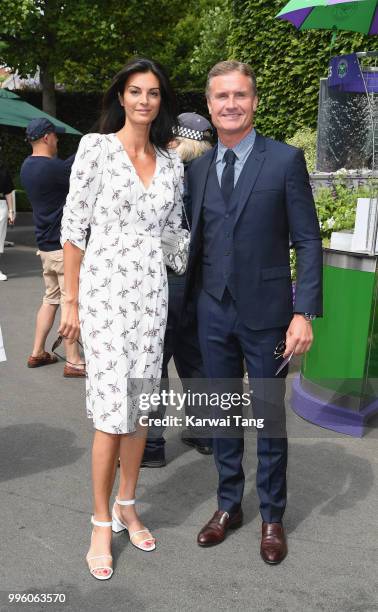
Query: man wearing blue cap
46,180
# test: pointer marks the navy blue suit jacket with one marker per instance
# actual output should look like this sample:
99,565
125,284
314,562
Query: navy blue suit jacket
275,207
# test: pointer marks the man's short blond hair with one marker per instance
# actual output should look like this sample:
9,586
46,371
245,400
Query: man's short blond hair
231,66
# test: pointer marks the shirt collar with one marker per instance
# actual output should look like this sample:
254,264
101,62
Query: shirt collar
241,150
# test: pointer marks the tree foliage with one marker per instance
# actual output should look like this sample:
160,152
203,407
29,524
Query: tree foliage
122,30
46,33
212,45
83,43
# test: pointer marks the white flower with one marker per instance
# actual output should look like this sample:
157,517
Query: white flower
330,222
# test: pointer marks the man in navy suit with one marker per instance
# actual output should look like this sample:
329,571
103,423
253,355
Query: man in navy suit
251,198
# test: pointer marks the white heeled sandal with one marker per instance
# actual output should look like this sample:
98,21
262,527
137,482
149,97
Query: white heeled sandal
100,567
118,526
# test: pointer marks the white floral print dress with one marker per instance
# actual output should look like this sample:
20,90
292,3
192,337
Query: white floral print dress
123,292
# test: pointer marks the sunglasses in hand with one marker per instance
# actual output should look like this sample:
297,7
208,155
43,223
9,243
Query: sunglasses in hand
57,343
279,353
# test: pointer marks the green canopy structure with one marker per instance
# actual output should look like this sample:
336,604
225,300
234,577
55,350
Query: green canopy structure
16,112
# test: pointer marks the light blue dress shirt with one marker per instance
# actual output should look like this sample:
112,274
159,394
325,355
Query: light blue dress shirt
241,150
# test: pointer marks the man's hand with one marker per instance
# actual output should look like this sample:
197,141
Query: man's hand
299,336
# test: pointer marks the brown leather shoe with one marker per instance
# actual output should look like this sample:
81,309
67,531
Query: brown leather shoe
45,359
71,372
214,532
273,543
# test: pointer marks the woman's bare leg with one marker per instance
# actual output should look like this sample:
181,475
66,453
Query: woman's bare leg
131,453
105,453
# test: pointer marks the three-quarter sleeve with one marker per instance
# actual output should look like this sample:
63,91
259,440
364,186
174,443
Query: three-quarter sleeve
85,182
175,219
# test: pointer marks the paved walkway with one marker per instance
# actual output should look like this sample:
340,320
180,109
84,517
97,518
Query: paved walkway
332,515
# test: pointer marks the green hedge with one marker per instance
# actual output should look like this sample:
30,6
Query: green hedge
288,63
305,139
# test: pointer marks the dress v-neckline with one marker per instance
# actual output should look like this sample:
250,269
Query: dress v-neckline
146,189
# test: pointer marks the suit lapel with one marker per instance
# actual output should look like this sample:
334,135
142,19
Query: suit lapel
201,180
249,174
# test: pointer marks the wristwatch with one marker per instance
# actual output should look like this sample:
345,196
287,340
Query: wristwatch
309,317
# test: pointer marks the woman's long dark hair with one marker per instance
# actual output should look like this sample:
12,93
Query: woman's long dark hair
112,117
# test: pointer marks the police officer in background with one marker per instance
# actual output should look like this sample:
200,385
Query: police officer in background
193,138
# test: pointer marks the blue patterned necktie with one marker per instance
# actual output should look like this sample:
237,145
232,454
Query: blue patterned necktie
228,175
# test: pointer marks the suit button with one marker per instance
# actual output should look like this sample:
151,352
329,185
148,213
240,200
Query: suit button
228,235
228,253
226,216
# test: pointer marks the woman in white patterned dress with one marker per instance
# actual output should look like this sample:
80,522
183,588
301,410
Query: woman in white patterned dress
126,186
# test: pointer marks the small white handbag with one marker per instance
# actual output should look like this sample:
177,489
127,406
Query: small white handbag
175,246
176,250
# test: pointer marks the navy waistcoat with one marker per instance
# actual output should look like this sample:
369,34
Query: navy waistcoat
218,225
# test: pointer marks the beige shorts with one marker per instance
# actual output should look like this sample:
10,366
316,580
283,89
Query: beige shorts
53,275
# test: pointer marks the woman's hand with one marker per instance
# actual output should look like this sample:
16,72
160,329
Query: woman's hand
11,217
70,324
